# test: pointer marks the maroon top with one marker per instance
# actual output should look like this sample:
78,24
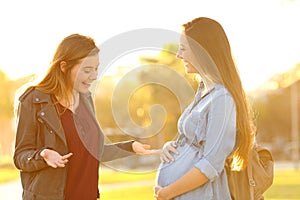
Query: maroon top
82,174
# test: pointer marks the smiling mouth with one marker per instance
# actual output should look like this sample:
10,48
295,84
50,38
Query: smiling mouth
86,84
186,64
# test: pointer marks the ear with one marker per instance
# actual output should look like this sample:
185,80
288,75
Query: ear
63,65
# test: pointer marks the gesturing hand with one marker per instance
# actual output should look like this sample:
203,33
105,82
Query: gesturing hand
54,159
144,149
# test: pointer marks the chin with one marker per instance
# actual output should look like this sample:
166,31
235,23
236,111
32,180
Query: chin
83,90
188,71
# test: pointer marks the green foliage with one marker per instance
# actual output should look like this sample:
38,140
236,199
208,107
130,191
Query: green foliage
7,95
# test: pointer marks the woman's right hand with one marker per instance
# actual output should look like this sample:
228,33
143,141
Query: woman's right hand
168,148
54,159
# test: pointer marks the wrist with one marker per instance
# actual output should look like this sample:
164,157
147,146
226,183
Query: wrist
133,149
165,193
43,153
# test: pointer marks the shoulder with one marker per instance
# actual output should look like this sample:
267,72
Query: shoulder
32,94
220,91
27,93
222,97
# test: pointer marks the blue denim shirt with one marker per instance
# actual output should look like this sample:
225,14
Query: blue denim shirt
206,136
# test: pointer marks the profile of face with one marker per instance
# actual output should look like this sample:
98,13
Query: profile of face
185,53
84,73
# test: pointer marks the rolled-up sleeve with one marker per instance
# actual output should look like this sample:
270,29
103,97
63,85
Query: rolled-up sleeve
220,135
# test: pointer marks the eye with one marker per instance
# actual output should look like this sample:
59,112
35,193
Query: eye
87,71
181,48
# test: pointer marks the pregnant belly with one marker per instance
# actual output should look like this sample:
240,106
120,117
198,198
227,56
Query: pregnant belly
170,172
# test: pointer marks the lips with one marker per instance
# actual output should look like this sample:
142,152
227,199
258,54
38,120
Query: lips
186,64
86,84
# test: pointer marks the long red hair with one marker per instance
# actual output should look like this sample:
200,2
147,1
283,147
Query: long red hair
71,50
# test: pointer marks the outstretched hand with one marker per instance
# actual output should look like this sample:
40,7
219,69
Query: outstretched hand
54,159
144,149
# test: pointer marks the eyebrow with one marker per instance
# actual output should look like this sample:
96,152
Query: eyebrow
90,66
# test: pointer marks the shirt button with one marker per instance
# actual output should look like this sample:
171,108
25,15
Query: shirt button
37,99
42,113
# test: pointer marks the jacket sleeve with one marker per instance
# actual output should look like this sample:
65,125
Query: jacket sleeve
117,150
220,136
27,151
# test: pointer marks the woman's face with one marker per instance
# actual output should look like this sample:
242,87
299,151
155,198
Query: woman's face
186,55
84,73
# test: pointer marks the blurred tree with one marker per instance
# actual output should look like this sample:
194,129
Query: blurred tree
160,80
274,111
7,95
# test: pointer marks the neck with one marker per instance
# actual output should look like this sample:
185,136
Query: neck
71,102
208,84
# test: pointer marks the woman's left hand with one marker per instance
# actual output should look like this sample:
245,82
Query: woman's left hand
158,194
144,149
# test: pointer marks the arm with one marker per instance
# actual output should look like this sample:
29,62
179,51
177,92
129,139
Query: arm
191,180
124,149
116,150
220,140
27,152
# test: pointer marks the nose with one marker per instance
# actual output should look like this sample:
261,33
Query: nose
94,75
178,55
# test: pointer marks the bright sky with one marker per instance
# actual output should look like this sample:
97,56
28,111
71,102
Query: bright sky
263,33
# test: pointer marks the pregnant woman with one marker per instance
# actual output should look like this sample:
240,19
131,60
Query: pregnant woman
216,124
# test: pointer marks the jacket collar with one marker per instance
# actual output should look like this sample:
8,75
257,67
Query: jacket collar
49,115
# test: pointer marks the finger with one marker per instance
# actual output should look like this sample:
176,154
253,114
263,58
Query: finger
164,158
52,164
156,189
67,156
174,144
155,151
168,155
172,149
58,164
64,161
151,152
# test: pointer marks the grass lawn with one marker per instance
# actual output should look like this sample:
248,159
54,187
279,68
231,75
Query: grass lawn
132,193
121,177
286,186
136,186
7,170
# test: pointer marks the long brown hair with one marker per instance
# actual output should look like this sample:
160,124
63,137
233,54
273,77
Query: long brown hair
211,36
71,50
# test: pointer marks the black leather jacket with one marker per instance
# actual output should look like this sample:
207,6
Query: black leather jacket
39,127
